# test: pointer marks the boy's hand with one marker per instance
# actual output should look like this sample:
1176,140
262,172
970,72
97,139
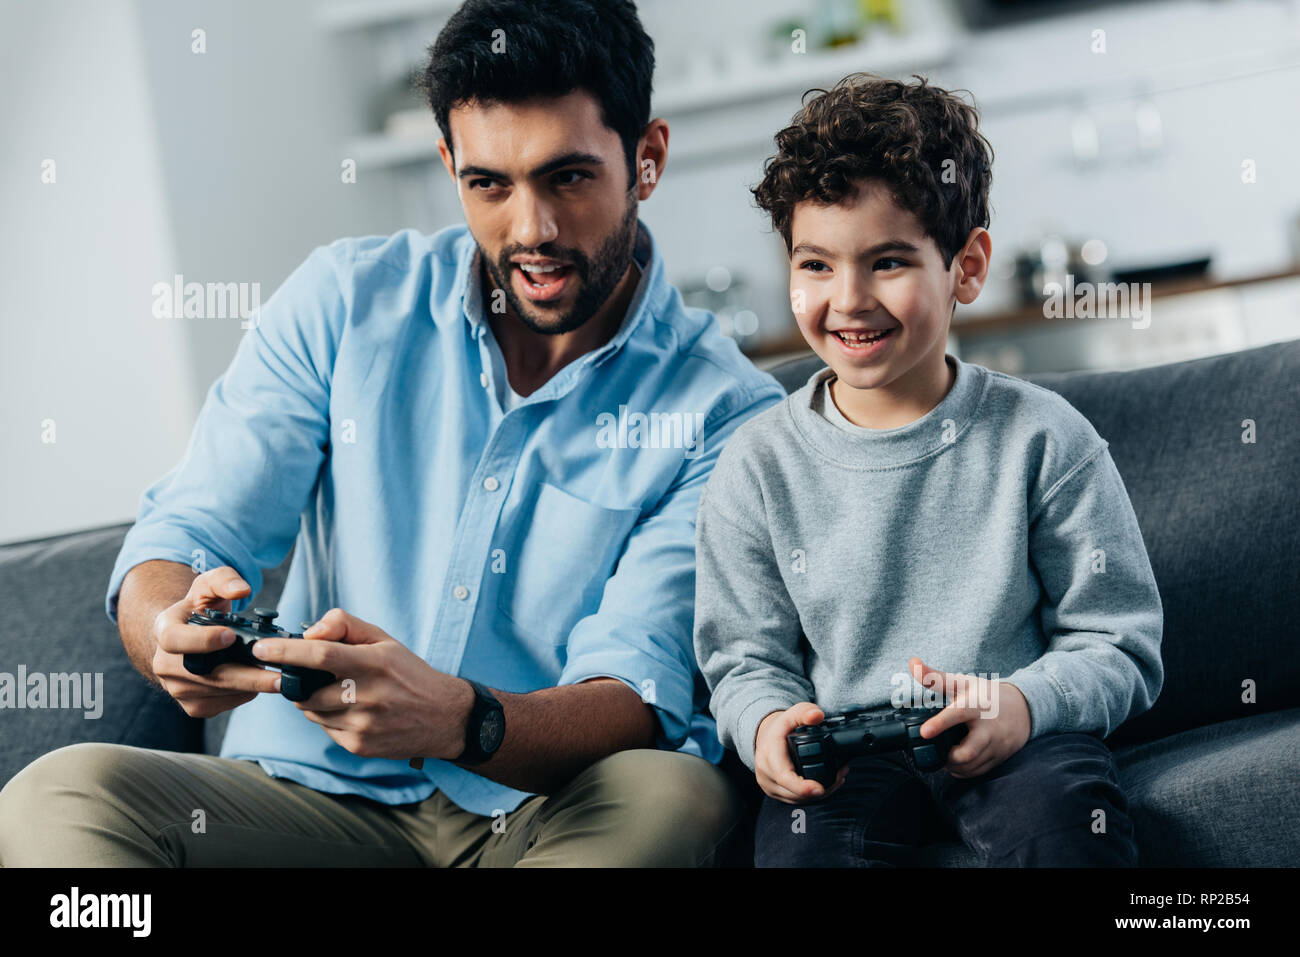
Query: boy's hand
772,765
994,731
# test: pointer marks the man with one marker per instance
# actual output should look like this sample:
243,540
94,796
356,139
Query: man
453,431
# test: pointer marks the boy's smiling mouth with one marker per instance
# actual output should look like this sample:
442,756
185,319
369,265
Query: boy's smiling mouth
862,342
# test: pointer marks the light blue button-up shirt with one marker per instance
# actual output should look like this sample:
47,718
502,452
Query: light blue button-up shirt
525,549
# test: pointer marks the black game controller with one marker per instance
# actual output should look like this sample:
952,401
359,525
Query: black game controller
296,683
819,750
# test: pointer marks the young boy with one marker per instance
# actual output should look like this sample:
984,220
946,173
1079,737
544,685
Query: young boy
908,516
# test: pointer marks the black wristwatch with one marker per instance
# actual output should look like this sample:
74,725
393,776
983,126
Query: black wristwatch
485,729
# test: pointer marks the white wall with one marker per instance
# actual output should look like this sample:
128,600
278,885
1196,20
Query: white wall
78,258
224,167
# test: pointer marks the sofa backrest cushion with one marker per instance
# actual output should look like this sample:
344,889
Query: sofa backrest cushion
52,621
1209,451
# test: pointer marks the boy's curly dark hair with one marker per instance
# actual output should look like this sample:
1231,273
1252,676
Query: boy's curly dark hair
867,126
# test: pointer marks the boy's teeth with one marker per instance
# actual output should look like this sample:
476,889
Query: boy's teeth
852,337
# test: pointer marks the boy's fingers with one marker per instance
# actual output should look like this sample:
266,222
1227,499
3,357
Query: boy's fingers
839,780
808,713
779,790
969,750
928,677
956,713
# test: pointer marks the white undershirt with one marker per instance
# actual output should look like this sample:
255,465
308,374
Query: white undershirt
831,412
506,395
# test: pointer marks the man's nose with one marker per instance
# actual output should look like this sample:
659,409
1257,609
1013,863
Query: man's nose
534,222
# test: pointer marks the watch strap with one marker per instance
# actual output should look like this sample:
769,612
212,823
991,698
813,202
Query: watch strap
485,704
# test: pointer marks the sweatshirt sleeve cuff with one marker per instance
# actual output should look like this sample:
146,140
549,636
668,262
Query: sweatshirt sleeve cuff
1048,708
748,722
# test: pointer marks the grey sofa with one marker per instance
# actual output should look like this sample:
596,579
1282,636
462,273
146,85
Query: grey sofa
1212,775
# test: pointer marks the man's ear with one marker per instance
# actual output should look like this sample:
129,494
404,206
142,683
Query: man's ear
652,157
448,161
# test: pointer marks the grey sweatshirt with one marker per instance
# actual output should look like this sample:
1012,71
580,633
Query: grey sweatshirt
991,536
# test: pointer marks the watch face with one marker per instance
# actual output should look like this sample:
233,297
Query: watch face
490,731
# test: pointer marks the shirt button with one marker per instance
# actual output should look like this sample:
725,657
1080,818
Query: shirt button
482,379
461,592
491,484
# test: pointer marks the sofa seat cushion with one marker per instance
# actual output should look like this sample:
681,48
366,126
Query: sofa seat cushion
1223,795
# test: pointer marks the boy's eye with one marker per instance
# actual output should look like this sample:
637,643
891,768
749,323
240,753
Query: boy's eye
890,259
811,263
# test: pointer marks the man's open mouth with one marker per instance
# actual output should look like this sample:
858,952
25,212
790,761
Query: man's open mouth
542,281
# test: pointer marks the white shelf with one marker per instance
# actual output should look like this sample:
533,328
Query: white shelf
361,14
382,151
760,81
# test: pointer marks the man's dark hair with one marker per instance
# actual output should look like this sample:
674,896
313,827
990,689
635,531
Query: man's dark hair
922,142
551,48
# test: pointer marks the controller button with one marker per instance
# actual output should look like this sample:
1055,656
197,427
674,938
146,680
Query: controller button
926,754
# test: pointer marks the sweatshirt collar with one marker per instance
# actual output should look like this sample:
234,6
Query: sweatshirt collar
877,449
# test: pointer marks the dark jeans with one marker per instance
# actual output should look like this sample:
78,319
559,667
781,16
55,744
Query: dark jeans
1039,808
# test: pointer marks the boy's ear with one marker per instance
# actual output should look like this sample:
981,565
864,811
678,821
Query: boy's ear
972,265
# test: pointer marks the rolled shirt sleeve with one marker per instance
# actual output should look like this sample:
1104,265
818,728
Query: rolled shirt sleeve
642,631
236,496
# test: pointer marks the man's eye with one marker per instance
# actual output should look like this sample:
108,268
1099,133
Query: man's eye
481,182
563,178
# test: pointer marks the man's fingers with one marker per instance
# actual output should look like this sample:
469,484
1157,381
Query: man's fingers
337,625
331,626
218,584
327,700
179,638
224,679
211,707
328,656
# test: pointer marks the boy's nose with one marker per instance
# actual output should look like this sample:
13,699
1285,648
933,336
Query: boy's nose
852,297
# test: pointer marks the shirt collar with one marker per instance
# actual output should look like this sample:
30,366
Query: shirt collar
651,294
878,449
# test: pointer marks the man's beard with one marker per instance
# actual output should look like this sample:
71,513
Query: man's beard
596,283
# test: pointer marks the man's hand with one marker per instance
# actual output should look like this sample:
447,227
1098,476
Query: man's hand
387,702
772,765
996,716
231,684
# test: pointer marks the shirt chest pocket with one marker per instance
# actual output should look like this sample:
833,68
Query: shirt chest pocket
560,551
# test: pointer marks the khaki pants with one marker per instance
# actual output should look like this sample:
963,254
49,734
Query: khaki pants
108,805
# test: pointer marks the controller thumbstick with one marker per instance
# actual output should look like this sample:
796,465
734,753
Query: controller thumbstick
263,618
